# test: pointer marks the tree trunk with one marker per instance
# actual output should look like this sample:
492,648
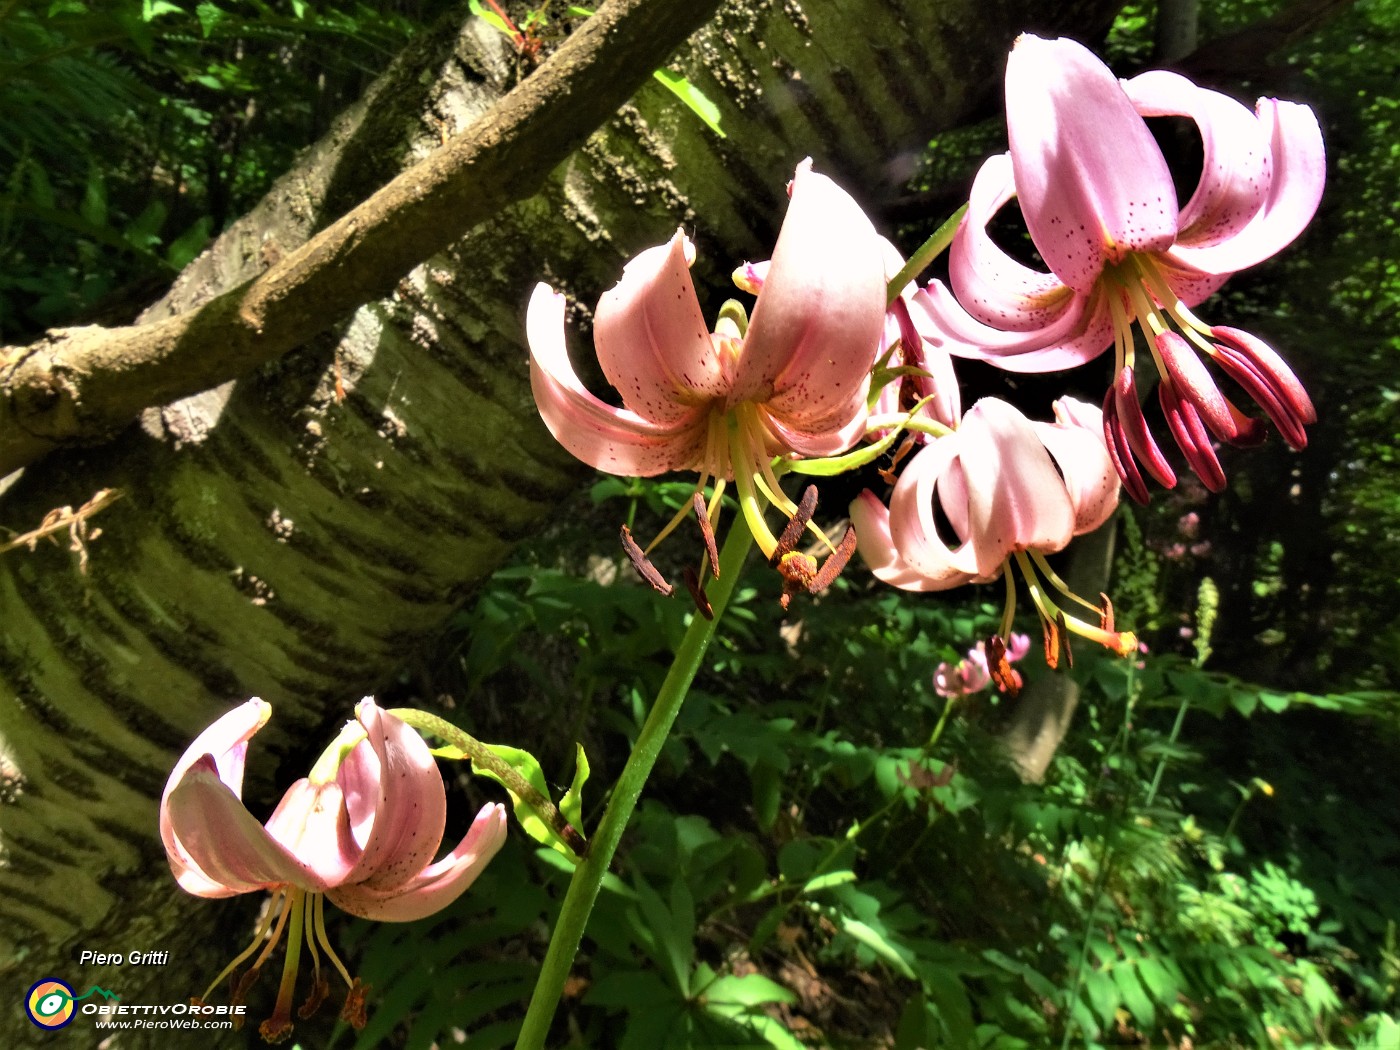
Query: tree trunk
275,539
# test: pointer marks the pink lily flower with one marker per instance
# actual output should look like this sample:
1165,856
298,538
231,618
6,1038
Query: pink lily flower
1099,203
725,403
1009,491
361,830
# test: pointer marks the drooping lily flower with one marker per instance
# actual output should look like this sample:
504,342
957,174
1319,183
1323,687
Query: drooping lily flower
1009,492
362,829
724,403
1099,203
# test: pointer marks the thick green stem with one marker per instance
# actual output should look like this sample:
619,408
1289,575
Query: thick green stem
928,251
588,876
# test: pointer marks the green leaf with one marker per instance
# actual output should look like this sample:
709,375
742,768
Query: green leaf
94,206
1101,990
530,821
872,939
671,933
209,15
696,100
767,793
571,805
1158,980
189,244
831,878
491,18
746,991
1134,998
153,9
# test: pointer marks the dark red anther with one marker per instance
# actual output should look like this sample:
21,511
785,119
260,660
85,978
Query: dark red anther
835,562
645,569
353,1012
1064,633
1050,634
787,542
1190,433
1134,427
905,447
1118,452
1192,383
697,593
1269,381
320,988
1267,362
702,515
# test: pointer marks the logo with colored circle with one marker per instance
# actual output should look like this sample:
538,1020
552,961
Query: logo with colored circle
49,1003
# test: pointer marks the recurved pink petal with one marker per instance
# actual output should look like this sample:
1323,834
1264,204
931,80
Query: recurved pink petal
228,851
871,520
225,743
913,519
395,767
994,288
436,886
312,823
1092,181
651,337
816,326
1299,172
1089,477
1237,162
1016,498
615,440
1079,334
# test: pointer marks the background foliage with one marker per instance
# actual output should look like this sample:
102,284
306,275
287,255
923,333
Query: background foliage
1213,859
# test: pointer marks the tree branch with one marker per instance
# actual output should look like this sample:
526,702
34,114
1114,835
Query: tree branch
79,385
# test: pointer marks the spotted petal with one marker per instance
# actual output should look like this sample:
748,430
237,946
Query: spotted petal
816,326
1299,172
616,440
651,337
437,885
1092,181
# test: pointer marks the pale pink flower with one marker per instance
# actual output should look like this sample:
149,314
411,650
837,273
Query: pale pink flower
1004,490
1100,206
791,382
362,830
